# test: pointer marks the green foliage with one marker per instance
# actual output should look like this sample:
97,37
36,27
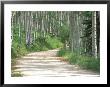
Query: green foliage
89,63
63,52
16,74
53,42
85,62
18,50
42,44
87,37
73,57
13,53
64,33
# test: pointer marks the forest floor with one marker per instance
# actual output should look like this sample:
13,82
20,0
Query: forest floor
48,64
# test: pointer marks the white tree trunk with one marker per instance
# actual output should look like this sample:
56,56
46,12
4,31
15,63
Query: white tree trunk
94,35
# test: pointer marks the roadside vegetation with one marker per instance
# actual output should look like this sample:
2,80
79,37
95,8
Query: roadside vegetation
83,61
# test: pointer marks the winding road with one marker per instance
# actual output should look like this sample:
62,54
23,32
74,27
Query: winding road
47,64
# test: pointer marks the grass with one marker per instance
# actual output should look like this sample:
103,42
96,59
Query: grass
16,74
85,62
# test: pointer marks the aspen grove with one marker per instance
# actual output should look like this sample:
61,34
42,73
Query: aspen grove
73,32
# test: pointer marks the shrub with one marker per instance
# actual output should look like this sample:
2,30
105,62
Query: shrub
89,63
18,50
13,53
61,52
85,62
73,58
53,42
43,44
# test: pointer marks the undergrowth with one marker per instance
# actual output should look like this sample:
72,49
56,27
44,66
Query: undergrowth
85,62
41,44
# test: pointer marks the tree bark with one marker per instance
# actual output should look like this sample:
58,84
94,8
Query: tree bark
94,35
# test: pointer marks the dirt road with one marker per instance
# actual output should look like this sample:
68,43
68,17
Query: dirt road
47,64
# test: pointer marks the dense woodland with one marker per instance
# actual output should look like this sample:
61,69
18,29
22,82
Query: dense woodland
75,32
